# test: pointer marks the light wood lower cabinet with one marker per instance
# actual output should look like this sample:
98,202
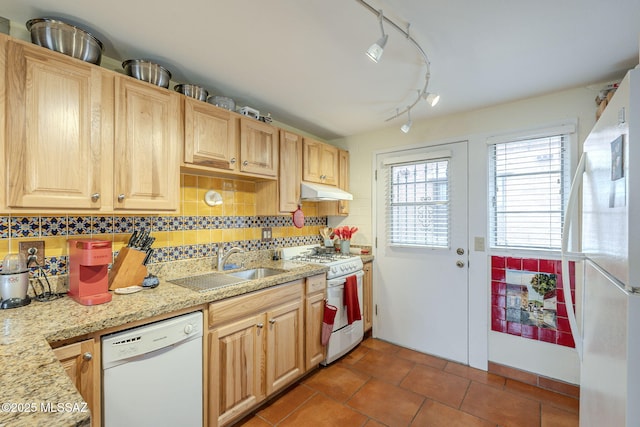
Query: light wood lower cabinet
81,361
256,347
314,314
367,296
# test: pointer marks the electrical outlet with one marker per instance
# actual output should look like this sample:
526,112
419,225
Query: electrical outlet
32,248
266,234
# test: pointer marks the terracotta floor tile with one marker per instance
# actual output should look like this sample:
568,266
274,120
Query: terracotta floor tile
373,423
437,385
285,404
322,411
434,414
354,355
475,374
556,417
254,421
337,381
564,402
423,359
501,407
381,346
387,403
384,366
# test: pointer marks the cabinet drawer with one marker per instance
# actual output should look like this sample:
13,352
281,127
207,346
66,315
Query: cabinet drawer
255,302
316,283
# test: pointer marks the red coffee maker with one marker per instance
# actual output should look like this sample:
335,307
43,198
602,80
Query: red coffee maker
89,270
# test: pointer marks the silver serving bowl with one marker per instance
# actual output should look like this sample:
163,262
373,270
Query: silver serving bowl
222,102
65,38
193,91
147,71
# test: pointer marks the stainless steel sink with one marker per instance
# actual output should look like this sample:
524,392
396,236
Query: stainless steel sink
256,273
207,282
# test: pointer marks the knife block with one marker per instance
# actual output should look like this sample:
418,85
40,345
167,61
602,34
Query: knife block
128,269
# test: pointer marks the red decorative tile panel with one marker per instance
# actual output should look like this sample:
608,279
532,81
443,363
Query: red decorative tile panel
527,299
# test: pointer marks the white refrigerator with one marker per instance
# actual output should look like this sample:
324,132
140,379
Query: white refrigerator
607,328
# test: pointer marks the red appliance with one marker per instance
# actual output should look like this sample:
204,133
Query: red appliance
89,261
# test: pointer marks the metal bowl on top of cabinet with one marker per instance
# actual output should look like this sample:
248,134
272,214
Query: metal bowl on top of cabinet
192,91
147,71
65,38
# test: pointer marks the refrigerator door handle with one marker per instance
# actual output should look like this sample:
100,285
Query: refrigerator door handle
566,255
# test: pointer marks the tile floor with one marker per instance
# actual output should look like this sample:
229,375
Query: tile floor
380,384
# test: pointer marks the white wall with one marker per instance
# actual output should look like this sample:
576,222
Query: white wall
541,358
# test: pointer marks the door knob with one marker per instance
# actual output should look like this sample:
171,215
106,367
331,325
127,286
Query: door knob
260,325
459,264
460,251
272,321
95,197
245,163
87,356
232,161
120,197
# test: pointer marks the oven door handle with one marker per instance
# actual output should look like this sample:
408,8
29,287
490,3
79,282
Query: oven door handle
338,281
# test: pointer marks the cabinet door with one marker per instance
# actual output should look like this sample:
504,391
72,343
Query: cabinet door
320,162
285,349
209,135
314,314
58,117
258,147
80,361
340,207
235,375
367,296
290,170
147,145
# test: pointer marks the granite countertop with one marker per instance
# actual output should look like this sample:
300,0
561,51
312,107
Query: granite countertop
31,376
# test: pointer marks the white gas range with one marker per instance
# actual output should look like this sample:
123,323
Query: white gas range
344,336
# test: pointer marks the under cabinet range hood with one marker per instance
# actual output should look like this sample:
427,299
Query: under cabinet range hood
313,192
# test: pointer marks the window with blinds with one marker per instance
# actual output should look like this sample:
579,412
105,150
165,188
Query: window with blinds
528,185
418,203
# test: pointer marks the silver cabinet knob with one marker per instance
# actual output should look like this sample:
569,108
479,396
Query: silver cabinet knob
233,161
87,356
459,264
95,197
260,325
245,163
272,321
120,197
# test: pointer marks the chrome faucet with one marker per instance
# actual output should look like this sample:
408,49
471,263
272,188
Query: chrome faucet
222,256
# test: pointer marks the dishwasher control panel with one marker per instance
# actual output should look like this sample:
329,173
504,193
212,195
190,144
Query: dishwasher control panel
120,346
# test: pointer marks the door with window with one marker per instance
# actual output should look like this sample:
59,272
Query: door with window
421,280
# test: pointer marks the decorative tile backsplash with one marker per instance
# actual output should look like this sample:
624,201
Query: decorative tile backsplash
196,231
527,299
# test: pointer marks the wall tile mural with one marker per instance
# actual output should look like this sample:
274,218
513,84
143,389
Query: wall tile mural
527,299
196,231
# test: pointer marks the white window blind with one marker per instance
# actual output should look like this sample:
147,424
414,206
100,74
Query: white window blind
528,185
417,202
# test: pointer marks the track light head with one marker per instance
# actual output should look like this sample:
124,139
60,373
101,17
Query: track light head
376,50
432,98
407,126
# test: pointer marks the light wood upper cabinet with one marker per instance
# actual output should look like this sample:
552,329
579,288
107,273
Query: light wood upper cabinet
147,146
340,207
58,129
210,135
81,361
320,162
290,171
259,147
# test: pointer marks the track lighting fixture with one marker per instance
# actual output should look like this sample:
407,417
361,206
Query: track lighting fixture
376,50
431,98
407,126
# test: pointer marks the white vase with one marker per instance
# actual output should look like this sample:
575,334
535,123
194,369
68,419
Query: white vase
345,246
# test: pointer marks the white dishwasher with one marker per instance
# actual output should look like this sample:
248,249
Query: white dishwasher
152,375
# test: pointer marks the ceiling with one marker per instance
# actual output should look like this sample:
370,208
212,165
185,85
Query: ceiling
304,61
